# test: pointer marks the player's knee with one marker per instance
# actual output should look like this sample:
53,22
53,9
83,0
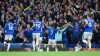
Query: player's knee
84,41
55,46
5,42
40,41
89,40
33,39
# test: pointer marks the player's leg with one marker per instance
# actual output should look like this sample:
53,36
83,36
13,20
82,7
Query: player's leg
54,45
49,43
5,40
85,41
8,47
37,41
89,41
9,42
40,41
33,42
84,37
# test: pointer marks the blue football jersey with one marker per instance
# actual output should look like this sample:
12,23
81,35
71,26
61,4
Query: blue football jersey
9,28
90,26
38,26
51,33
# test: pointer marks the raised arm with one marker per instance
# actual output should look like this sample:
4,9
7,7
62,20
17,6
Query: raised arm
86,22
33,26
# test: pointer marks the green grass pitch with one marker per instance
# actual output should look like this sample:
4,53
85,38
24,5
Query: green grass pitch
69,53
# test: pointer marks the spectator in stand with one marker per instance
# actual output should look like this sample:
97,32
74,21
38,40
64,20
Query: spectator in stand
28,34
76,31
20,36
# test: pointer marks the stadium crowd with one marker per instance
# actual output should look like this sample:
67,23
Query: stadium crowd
61,12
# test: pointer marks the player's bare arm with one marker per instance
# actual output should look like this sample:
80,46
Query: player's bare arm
62,26
86,23
33,26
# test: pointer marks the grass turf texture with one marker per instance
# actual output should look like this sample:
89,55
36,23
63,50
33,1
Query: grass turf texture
69,53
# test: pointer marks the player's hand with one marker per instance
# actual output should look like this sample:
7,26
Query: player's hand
58,28
42,26
46,31
80,22
25,40
84,26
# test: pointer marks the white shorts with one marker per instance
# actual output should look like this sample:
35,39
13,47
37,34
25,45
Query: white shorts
40,38
8,37
37,35
87,35
52,42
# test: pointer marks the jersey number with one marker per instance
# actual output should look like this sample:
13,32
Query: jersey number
51,32
38,26
10,27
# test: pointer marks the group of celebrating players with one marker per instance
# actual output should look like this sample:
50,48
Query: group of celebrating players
37,33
